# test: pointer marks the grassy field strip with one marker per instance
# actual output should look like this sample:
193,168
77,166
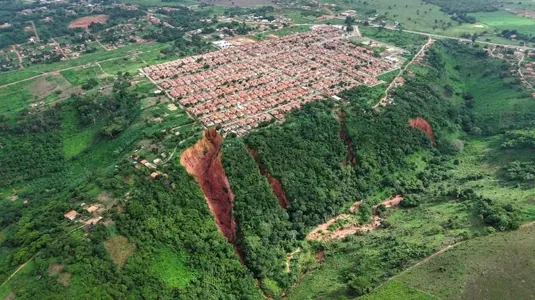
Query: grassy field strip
438,36
401,71
429,258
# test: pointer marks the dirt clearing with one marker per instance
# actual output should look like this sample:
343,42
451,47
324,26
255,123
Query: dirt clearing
119,249
84,22
241,40
423,125
55,269
322,232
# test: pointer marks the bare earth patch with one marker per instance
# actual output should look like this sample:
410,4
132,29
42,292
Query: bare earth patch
103,197
64,278
55,269
241,40
119,249
84,22
322,233
42,87
172,107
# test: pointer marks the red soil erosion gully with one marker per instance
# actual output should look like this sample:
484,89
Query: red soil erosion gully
423,125
351,158
276,185
203,161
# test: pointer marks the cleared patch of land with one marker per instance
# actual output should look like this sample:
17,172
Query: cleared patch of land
84,22
119,249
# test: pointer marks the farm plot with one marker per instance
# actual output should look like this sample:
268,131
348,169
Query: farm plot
239,88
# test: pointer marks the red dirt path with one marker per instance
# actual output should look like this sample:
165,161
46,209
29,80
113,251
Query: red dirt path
423,125
203,161
274,182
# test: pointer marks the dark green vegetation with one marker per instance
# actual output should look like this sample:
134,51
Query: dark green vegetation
313,134
264,231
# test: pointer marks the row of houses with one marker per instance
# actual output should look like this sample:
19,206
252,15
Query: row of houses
240,87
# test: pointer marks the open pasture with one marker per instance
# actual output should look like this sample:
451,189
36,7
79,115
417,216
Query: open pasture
501,20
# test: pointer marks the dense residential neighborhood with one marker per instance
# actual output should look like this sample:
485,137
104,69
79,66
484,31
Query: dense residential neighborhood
240,87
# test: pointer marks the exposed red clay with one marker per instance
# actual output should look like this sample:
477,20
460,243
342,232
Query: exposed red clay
350,157
203,161
322,233
423,125
274,182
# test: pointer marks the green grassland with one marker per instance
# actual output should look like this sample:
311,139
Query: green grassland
80,76
169,267
289,30
396,290
498,266
14,98
408,41
501,20
161,3
421,14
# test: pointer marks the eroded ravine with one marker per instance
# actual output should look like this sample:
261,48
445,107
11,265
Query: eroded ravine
203,161
276,185
351,158
423,125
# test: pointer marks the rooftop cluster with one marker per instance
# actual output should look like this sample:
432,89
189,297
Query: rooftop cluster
238,88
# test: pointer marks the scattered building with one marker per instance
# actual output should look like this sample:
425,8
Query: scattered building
71,215
92,209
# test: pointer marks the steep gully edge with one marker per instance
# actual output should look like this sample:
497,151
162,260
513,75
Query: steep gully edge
203,162
351,158
423,125
276,185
